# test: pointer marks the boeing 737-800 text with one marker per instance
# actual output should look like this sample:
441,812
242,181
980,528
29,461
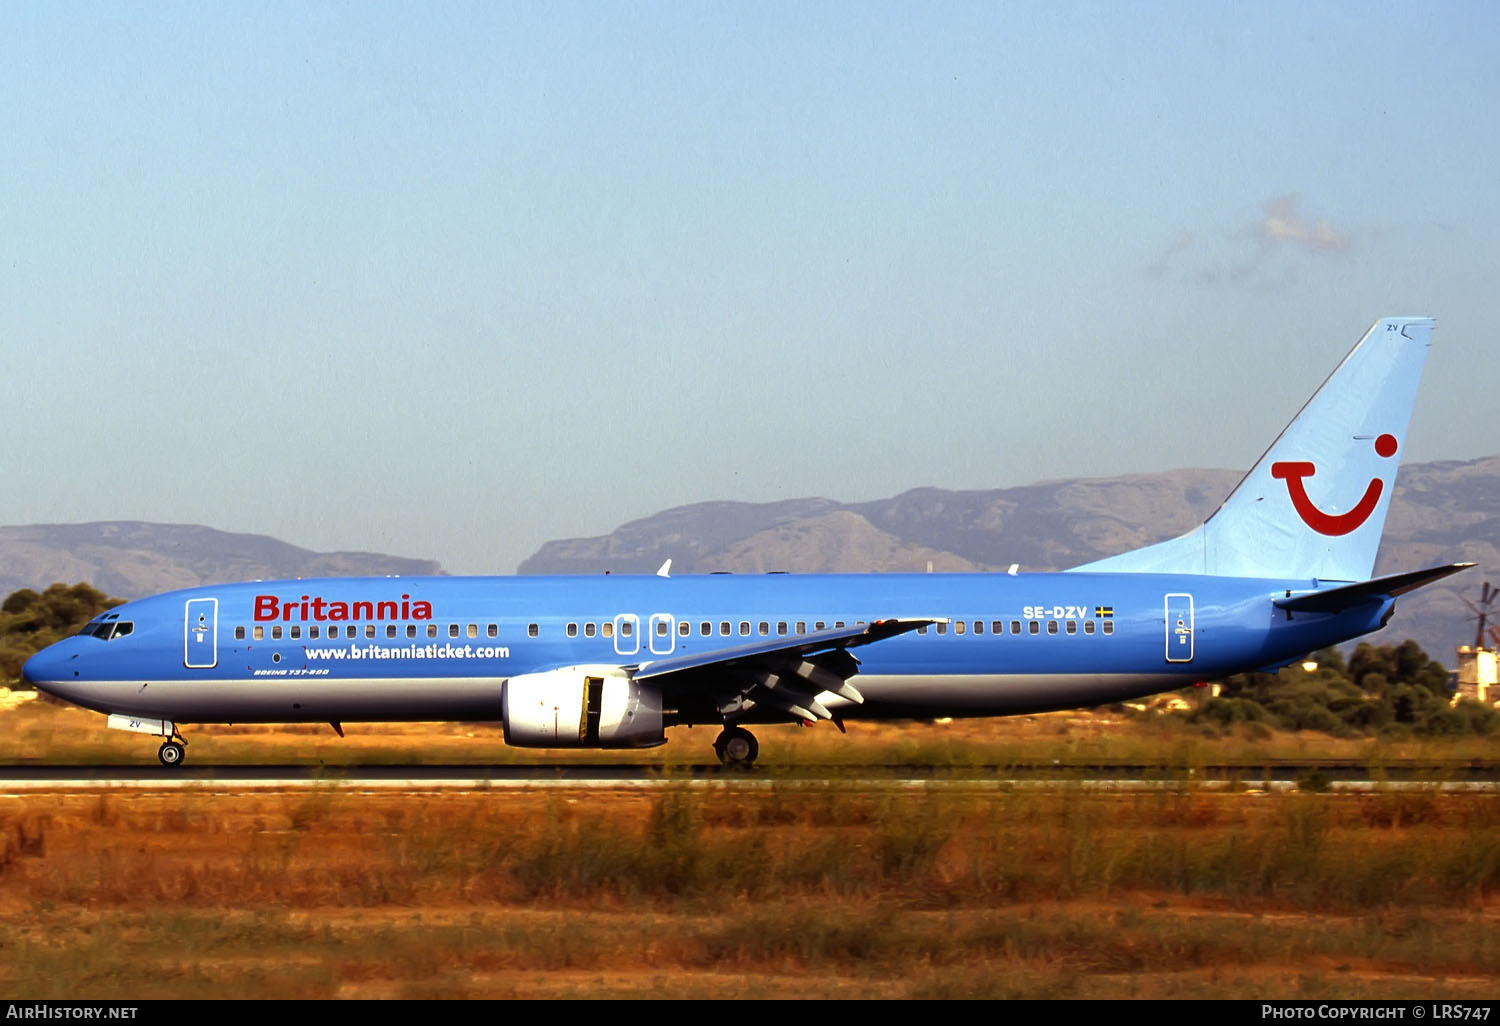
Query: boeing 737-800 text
1282,568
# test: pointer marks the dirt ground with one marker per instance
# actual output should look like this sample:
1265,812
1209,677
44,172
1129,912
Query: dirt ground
718,892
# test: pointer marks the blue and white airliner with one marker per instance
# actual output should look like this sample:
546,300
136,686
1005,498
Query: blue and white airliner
1281,569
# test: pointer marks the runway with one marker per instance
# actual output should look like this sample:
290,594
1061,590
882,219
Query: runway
1466,777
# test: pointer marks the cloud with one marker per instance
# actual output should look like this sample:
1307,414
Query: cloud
1284,225
1269,253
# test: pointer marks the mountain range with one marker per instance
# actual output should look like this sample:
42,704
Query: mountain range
130,559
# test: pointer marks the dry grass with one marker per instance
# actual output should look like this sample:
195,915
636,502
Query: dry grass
47,732
726,892
719,891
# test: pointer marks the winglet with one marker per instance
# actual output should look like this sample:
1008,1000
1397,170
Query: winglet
666,569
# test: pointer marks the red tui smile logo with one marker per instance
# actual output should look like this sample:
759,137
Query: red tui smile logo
1328,523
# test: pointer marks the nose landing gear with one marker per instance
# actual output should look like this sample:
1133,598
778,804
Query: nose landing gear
172,751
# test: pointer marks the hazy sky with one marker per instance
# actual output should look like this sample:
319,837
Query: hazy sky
452,280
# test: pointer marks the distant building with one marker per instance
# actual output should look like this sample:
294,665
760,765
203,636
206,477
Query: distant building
1477,676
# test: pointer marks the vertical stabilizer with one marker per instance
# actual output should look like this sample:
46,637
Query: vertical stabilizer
1315,504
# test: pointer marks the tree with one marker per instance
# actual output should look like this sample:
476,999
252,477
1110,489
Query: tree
30,621
1379,685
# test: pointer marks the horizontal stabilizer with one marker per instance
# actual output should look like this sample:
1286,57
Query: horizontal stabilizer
1333,600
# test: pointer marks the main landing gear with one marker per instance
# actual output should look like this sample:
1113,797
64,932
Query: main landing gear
737,748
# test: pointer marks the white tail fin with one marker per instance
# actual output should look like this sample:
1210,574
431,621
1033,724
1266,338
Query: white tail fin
1315,504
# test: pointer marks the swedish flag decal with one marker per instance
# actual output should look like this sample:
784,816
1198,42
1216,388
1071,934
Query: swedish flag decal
1103,611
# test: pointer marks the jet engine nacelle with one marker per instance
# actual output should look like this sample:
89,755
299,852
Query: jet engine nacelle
581,707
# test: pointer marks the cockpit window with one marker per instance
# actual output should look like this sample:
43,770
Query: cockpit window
108,630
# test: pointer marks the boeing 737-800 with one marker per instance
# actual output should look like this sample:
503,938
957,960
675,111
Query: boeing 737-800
1281,569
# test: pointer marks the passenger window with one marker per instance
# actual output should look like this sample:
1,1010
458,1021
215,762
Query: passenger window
453,630
276,633
781,627
532,630
627,628
1072,627
744,628
922,630
838,625
296,631
765,628
572,630
724,629
493,630
705,628
239,633
369,630
390,630
1051,626
607,629
818,626
978,626
411,630
259,632
942,628
432,630
684,628
958,626
801,626
588,629
1109,626
1015,626
1034,626
661,628
1088,626
473,630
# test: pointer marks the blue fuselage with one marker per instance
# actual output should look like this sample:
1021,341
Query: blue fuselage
442,648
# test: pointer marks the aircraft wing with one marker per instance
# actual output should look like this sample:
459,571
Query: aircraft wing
785,673
1333,600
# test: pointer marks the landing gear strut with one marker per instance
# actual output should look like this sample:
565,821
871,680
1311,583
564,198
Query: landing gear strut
737,748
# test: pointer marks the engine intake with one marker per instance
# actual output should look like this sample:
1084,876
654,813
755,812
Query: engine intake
581,707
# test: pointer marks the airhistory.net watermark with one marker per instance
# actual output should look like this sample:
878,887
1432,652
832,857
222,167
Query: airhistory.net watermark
59,1010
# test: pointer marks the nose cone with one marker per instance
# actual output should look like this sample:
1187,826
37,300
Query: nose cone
49,666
